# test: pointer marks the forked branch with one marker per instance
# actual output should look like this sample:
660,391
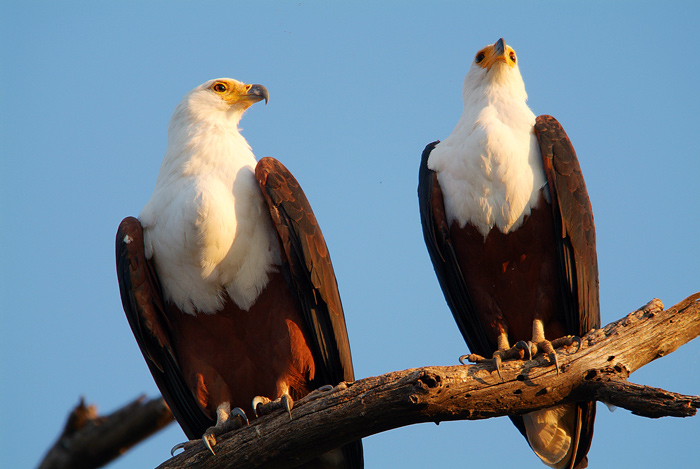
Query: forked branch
437,393
598,371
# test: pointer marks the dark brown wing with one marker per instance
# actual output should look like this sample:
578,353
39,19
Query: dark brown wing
573,220
143,304
436,232
311,275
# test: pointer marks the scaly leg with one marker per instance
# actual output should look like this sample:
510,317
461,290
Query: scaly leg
504,352
226,420
541,344
263,405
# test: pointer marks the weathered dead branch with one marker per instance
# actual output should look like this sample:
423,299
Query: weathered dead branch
90,441
433,394
598,371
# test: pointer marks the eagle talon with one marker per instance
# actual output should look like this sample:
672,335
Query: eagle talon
183,446
259,401
472,358
526,347
497,360
263,405
553,358
579,342
568,341
239,415
209,439
288,404
226,422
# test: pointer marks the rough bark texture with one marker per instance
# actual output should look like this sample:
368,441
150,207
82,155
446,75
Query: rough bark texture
90,441
433,394
598,371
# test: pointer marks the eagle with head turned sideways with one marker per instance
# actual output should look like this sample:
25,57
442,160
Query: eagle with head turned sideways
226,279
509,228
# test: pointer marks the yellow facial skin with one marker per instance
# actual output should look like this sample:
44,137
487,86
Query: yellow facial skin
239,94
498,52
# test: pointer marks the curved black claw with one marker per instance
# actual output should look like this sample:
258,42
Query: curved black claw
548,348
579,342
178,446
472,358
497,360
553,358
567,341
525,347
235,420
209,439
242,418
259,401
185,446
263,406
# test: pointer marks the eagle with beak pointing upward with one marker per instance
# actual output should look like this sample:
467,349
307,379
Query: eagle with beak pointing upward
509,229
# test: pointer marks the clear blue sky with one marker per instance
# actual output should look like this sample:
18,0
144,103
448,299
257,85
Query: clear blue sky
356,92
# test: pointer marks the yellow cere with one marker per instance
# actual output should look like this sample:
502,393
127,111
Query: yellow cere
234,91
488,56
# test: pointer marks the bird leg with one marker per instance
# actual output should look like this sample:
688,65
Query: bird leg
523,349
226,421
504,352
540,344
263,405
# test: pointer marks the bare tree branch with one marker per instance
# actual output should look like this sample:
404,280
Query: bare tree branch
434,394
322,421
90,441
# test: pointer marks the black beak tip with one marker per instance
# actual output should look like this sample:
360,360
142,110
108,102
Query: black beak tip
261,91
500,45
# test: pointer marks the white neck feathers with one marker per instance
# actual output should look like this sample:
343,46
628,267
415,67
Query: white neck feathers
489,168
206,225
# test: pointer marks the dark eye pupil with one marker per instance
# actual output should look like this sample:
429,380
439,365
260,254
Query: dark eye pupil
219,87
512,57
479,57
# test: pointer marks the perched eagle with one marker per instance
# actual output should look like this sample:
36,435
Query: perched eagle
226,279
509,228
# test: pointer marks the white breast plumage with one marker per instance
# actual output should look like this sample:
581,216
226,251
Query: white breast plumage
206,225
490,168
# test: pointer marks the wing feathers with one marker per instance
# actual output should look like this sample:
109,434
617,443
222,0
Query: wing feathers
310,269
143,304
312,277
436,233
574,218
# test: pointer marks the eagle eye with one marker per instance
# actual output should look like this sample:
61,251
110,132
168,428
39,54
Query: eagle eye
512,56
479,57
219,87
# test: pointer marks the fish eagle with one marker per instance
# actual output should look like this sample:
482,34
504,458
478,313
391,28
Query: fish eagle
226,279
509,228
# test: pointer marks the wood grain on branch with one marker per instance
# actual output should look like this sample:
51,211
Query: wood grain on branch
437,393
90,441
598,371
